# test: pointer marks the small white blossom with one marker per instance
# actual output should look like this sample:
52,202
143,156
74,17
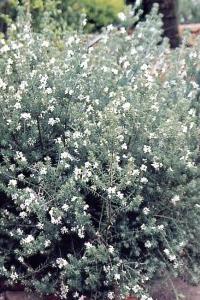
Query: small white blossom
121,16
175,199
88,245
144,180
156,165
61,262
40,225
126,106
26,116
43,171
45,44
143,168
111,191
21,177
65,207
111,249
147,149
148,244
117,276
29,239
111,295
12,182
47,243
64,230
146,210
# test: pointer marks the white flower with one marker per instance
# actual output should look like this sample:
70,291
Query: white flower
53,121
143,168
29,239
70,40
114,71
48,91
121,16
117,276
64,155
26,116
126,106
19,231
124,146
23,85
55,218
65,207
143,227
21,177
144,180
21,259
61,262
148,244
82,297
160,227
111,249
110,27
111,295
43,171
64,289
135,172
184,129
175,199
47,243
111,191
23,214
88,245
120,195
12,182
64,230
156,165
45,44
14,276
76,295
87,164
17,105
126,64
40,225
147,149
81,233
146,210
171,257
166,251
85,207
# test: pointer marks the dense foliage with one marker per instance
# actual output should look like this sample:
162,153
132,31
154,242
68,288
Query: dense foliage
98,161
189,11
61,15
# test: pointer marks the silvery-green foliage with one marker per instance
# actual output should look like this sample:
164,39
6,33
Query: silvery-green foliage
189,11
99,161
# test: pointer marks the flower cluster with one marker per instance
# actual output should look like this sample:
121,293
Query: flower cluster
98,161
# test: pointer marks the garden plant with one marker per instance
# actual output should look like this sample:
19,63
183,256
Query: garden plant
99,156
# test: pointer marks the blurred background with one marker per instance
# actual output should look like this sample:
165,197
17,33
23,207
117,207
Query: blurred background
62,15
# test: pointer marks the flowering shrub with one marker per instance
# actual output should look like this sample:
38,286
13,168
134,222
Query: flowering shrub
99,154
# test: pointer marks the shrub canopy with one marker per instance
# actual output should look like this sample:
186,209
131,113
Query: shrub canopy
98,166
